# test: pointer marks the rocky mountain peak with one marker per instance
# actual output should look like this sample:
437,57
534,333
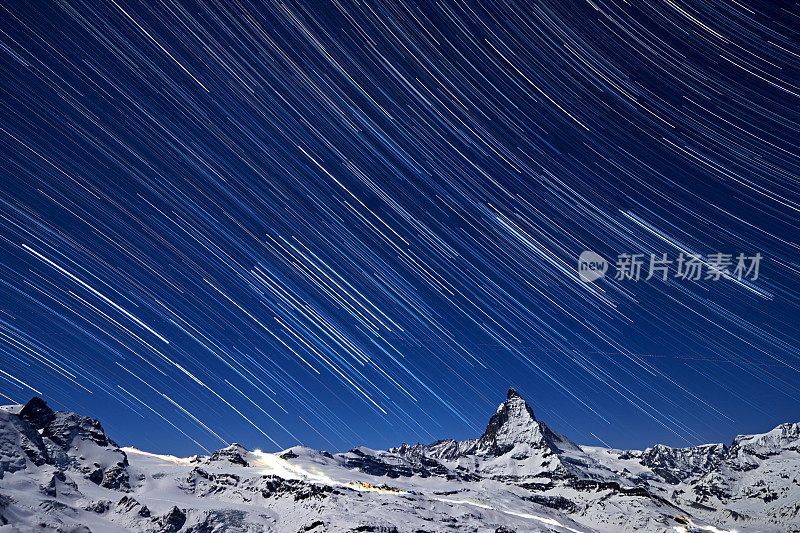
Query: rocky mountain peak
512,393
512,413
515,424
234,454
37,413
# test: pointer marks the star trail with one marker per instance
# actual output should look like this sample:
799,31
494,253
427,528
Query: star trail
342,223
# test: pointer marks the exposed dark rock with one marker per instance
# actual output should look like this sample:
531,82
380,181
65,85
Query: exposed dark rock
512,422
218,521
554,502
18,434
674,465
401,462
370,464
511,450
99,507
733,515
36,413
274,486
172,521
201,482
66,427
59,483
537,487
234,454
131,505
513,430
116,478
596,485
96,476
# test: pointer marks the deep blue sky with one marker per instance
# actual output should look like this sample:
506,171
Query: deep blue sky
342,223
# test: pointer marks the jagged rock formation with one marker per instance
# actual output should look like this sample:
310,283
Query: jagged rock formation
63,440
60,472
677,464
515,446
514,425
234,454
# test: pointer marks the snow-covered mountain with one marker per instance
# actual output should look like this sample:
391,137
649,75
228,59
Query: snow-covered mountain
60,472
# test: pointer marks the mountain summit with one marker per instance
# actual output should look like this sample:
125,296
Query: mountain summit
515,445
514,424
512,393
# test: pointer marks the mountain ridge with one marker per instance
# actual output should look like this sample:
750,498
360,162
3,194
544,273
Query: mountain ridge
59,471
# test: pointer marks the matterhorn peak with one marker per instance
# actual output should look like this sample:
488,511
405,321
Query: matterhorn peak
512,393
514,424
516,406
513,397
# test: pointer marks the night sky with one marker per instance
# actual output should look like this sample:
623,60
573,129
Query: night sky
339,223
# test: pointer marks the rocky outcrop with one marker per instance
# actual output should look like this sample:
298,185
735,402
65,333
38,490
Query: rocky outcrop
20,443
234,454
64,440
36,413
172,521
674,465
128,505
746,449
404,462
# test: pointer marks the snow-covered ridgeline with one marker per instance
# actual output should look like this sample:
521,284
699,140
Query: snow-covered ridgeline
60,472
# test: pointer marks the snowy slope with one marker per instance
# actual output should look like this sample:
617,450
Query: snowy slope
60,472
